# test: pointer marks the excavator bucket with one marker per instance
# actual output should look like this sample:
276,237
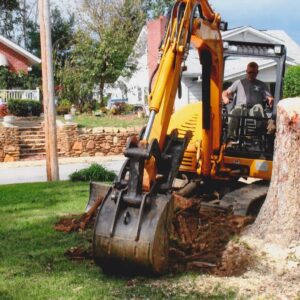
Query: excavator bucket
130,238
97,190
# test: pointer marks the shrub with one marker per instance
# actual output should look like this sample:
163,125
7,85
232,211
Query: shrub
292,82
89,106
104,110
95,172
122,108
63,107
128,109
24,108
11,80
104,101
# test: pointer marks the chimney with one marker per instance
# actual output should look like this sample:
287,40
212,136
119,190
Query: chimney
156,31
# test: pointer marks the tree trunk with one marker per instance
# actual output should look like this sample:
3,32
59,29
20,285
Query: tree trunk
101,93
279,218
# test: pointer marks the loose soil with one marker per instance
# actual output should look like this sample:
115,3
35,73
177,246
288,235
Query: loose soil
208,240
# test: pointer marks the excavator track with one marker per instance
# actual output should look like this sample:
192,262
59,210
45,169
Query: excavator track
246,200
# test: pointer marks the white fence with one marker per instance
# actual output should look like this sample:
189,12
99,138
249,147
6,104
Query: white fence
20,94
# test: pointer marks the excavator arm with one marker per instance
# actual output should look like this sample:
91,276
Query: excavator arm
132,225
191,23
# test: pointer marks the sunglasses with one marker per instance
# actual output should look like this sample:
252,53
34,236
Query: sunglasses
252,72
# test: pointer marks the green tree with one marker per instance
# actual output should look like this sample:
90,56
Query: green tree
156,8
9,17
103,45
292,82
11,80
73,82
62,29
9,4
62,33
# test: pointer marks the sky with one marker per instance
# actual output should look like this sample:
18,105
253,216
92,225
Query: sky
261,14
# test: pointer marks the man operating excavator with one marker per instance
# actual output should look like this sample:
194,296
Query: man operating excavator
249,97
186,146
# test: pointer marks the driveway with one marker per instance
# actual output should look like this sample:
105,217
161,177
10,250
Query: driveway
35,171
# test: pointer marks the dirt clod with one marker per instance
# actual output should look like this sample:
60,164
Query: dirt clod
79,253
76,223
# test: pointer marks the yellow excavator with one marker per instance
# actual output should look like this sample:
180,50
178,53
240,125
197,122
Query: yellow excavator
184,150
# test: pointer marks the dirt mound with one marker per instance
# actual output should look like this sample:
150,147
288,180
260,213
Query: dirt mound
199,238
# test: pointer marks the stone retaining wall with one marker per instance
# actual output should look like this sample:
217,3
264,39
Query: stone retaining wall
74,142
71,141
9,144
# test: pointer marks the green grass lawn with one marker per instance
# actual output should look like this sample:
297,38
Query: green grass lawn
84,120
32,261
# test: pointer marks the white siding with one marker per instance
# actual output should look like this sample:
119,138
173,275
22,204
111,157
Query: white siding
195,92
191,92
137,85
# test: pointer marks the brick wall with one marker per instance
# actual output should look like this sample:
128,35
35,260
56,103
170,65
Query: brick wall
156,30
17,62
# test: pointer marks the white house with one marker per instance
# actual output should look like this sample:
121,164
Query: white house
137,85
134,89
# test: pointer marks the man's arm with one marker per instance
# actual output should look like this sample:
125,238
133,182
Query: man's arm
225,96
268,96
270,100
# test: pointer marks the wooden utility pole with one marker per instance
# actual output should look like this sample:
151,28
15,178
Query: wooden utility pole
48,91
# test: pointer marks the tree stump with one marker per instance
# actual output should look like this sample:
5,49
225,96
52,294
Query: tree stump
279,219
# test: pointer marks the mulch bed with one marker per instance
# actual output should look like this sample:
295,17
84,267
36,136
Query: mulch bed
200,238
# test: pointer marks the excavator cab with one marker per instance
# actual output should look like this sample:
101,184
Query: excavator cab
251,154
255,138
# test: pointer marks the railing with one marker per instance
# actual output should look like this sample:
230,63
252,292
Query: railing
20,94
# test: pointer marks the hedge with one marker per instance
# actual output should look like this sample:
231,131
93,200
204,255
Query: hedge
63,107
292,82
24,108
95,173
